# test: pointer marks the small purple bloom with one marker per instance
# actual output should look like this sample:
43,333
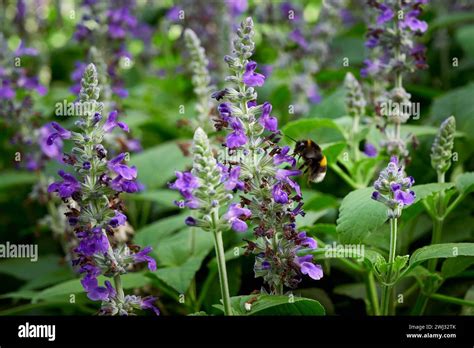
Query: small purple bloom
126,172
111,123
307,241
174,13
96,292
386,15
118,220
279,194
224,111
283,157
309,268
232,180
6,92
92,242
235,214
190,221
148,303
250,77
411,21
370,150
405,198
185,181
142,256
51,151
60,133
67,187
269,122
297,37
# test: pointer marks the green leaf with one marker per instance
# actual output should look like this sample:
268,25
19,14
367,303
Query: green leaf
332,106
65,289
359,215
457,102
181,260
426,190
436,251
157,165
176,249
357,291
154,233
162,197
465,183
24,269
449,19
320,130
276,305
332,151
180,277
464,38
320,202
316,229
15,178
454,266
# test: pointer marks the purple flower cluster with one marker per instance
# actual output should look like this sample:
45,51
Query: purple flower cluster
91,193
192,189
17,85
266,172
115,23
392,39
392,188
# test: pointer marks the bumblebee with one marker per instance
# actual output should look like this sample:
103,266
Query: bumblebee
313,158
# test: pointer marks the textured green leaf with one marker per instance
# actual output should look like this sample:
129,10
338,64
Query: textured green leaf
438,251
426,190
464,37
154,233
359,215
456,265
465,183
276,305
14,178
332,106
320,130
356,291
181,261
157,165
163,197
65,289
457,102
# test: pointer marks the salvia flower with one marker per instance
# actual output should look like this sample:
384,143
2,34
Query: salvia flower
266,174
392,188
442,148
91,195
392,38
209,186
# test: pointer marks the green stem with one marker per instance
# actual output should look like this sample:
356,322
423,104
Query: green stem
372,293
438,223
220,256
354,132
387,289
450,299
119,288
344,176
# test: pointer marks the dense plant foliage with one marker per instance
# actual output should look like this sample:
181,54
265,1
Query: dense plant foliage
237,157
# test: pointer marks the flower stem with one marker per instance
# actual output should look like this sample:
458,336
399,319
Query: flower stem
450,299
387,289
438,223
119,288
219,246
372,293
